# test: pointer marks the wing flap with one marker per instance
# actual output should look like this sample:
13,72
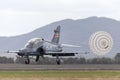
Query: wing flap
61,54
68,54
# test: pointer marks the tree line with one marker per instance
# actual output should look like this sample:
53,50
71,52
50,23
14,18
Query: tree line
47,60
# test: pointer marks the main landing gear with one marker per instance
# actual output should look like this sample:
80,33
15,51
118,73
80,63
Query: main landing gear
58,61
27,60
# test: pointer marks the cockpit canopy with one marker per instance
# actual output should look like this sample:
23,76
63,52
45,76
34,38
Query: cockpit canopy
34,43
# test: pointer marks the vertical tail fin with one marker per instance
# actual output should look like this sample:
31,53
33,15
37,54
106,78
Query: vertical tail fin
56,35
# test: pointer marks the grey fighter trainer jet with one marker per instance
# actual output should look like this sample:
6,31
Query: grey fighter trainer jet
40,47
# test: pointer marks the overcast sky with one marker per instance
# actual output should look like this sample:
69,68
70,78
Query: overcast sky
23,16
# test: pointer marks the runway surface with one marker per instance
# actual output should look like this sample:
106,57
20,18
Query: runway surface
60,67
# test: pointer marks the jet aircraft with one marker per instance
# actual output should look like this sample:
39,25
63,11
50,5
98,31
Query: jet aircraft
40,47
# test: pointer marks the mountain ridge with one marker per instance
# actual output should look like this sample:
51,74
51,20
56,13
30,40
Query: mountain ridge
75,32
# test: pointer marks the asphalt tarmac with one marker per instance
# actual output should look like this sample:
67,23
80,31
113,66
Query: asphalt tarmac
60,67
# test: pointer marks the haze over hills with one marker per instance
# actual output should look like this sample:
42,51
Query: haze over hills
75,32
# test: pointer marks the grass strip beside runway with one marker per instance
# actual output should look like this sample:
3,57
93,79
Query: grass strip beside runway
59,74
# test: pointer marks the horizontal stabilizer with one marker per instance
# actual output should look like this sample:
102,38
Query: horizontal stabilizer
69,45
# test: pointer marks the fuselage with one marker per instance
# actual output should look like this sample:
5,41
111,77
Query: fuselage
39,46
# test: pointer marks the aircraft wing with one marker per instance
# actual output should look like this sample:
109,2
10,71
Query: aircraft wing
47,53
24,53
12,51
61,54
65,53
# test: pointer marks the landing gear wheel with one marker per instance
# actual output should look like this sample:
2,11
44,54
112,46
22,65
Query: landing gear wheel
37,58
27,61
58,61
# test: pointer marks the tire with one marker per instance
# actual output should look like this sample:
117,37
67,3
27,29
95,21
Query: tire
58,62
27,61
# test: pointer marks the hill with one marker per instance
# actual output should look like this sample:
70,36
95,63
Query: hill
75,32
